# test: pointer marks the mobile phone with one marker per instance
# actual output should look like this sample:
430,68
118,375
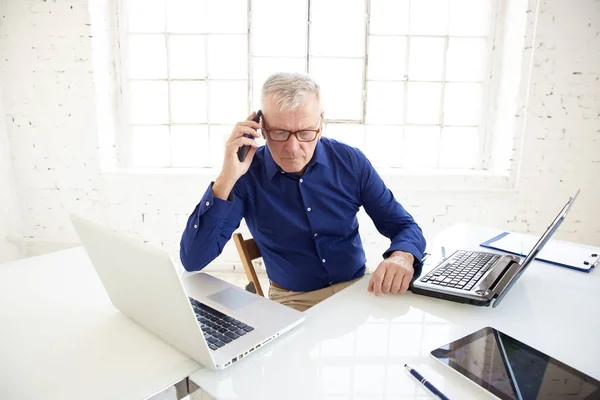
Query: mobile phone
243,150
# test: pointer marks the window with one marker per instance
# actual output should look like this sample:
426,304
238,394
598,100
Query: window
405,81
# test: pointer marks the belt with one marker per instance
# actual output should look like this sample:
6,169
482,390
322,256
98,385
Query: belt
278,286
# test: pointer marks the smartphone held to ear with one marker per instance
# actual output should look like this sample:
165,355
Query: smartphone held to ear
243,150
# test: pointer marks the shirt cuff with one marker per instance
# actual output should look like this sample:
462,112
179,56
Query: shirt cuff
215,207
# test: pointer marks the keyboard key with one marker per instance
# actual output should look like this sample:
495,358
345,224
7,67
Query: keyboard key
240,332
248,328
234,322
212,340
231,335
218,343
225,339
242,326
213,347
228,319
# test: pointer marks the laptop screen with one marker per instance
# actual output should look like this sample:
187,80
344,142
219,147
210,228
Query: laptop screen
539,245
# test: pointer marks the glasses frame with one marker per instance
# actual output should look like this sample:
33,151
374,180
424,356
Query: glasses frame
295,133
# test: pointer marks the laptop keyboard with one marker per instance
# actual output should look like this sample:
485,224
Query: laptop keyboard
462,271
219,329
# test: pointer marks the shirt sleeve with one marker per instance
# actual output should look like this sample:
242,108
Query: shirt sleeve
209,228
388,215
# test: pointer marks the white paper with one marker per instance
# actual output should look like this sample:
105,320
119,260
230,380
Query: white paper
571,254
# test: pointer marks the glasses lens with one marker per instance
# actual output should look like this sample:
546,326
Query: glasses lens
306,136
279,136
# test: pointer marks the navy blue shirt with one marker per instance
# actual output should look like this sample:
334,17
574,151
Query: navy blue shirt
305,226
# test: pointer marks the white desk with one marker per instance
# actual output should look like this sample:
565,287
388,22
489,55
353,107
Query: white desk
61,338
354,345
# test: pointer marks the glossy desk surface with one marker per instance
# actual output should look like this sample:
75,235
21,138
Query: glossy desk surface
61,338
354,345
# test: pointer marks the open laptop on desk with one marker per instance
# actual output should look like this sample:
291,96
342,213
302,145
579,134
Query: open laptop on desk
210,320
481,278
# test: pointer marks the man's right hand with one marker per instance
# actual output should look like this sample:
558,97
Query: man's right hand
233,169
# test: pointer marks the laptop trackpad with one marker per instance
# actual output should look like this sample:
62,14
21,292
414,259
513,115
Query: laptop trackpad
232,298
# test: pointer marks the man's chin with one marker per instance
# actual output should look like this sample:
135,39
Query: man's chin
292,166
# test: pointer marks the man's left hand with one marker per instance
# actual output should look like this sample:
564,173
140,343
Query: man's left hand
393,275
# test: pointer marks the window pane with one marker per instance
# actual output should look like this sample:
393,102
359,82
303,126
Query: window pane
150,146
218,137
147,57
384,145
228,56
341,86
149,103
186,16
228,101
187,57
459,147
421,146
469,17
190,146
229,16
351,134
389,17
387,58
428,17
424,103
426,60
188,102
385,102
462,104
347,39
466,60
264,67
279,28
145,16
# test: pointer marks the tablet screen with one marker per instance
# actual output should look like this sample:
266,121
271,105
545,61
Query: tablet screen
513,370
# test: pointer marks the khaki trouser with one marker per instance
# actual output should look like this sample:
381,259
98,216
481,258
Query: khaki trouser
302,301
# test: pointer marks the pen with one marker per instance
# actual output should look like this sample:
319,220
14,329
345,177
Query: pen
426,383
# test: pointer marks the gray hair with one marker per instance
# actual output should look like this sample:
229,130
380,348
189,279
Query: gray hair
289,89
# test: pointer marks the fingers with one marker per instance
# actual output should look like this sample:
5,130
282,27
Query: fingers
241,130
390,275
405,283
377,280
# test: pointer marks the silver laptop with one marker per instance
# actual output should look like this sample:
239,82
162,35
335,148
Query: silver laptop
481,278
210,320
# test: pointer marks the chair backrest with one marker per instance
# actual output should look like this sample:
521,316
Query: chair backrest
248,251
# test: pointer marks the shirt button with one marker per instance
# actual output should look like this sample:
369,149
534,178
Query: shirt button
283,172
316,234
323,261
301,180
207,203
308,209
195,226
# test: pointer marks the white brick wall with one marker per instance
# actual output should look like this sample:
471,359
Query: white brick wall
49,101
9,218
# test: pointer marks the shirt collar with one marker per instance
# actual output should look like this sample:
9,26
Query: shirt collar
319,157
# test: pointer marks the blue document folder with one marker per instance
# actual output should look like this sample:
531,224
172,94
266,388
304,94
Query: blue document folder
569,255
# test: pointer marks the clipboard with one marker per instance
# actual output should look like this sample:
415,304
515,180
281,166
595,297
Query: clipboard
565,254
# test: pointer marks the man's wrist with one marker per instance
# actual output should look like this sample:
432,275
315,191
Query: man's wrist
403,254
222,187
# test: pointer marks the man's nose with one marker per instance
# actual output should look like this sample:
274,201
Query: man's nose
292,144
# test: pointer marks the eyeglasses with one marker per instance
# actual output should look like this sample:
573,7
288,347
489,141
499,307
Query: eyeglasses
305,135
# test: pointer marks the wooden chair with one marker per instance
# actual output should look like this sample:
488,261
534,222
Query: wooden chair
249,251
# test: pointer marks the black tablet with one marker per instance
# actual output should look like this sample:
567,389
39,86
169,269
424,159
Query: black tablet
513,370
